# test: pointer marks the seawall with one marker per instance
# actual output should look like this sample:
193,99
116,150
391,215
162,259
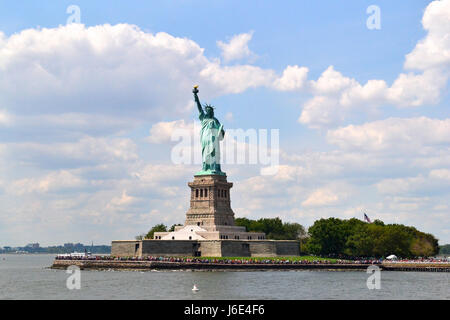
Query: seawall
165,265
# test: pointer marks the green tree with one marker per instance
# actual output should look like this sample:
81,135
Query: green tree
445,249
274,228
395,239
360,244
351,237
421,247
158,228
424,245
293,231
327,236
378,222
243,222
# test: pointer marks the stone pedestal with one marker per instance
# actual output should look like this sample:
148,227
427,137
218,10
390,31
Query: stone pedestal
210,216
210,202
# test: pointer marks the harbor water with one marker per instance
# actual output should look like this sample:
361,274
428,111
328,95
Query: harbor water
28,276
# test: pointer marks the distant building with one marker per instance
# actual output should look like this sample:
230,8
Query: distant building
33,245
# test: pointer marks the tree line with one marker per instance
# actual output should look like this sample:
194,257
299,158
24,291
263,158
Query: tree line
445,249
338,237
354,237
274,228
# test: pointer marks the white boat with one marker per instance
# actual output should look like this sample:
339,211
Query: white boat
195,288
74,255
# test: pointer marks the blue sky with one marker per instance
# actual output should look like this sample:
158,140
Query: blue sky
86,109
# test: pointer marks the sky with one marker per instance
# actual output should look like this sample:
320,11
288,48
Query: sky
91,94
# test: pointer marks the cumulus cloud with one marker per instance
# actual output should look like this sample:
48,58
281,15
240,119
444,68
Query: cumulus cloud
55,181
164,131
156,173
321,111
101,69
123,201
86,151
331,82
372,93
335,96
321,197
237,47
293,78
434,50
393,134
413,90
112,77
237,79
436,181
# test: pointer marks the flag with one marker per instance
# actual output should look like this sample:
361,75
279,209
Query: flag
367,218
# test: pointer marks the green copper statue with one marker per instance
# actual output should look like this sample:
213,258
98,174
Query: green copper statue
211,133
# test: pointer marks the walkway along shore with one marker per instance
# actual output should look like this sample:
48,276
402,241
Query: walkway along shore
165,265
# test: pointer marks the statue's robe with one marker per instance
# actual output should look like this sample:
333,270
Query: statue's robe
211,133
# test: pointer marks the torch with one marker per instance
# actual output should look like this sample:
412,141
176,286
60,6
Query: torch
195,91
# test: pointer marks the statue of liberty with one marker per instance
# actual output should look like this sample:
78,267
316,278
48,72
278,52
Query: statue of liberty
211,133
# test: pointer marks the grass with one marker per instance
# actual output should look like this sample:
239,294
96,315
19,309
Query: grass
292,258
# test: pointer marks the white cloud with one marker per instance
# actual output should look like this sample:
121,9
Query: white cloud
237,47
321,111
122,201
437,180
64,81
393,135
434,50
55,181
373,92
331,82
110,77
101,69
87,151
293,78
336,97
163,131
400,185
157,173
321,197
413,90
5,118
236,79
440,174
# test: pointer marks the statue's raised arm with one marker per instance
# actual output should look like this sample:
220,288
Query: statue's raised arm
197,100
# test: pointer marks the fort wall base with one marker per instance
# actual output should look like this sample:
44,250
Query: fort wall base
205,248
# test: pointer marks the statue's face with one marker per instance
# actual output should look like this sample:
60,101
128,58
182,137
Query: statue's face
210,112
